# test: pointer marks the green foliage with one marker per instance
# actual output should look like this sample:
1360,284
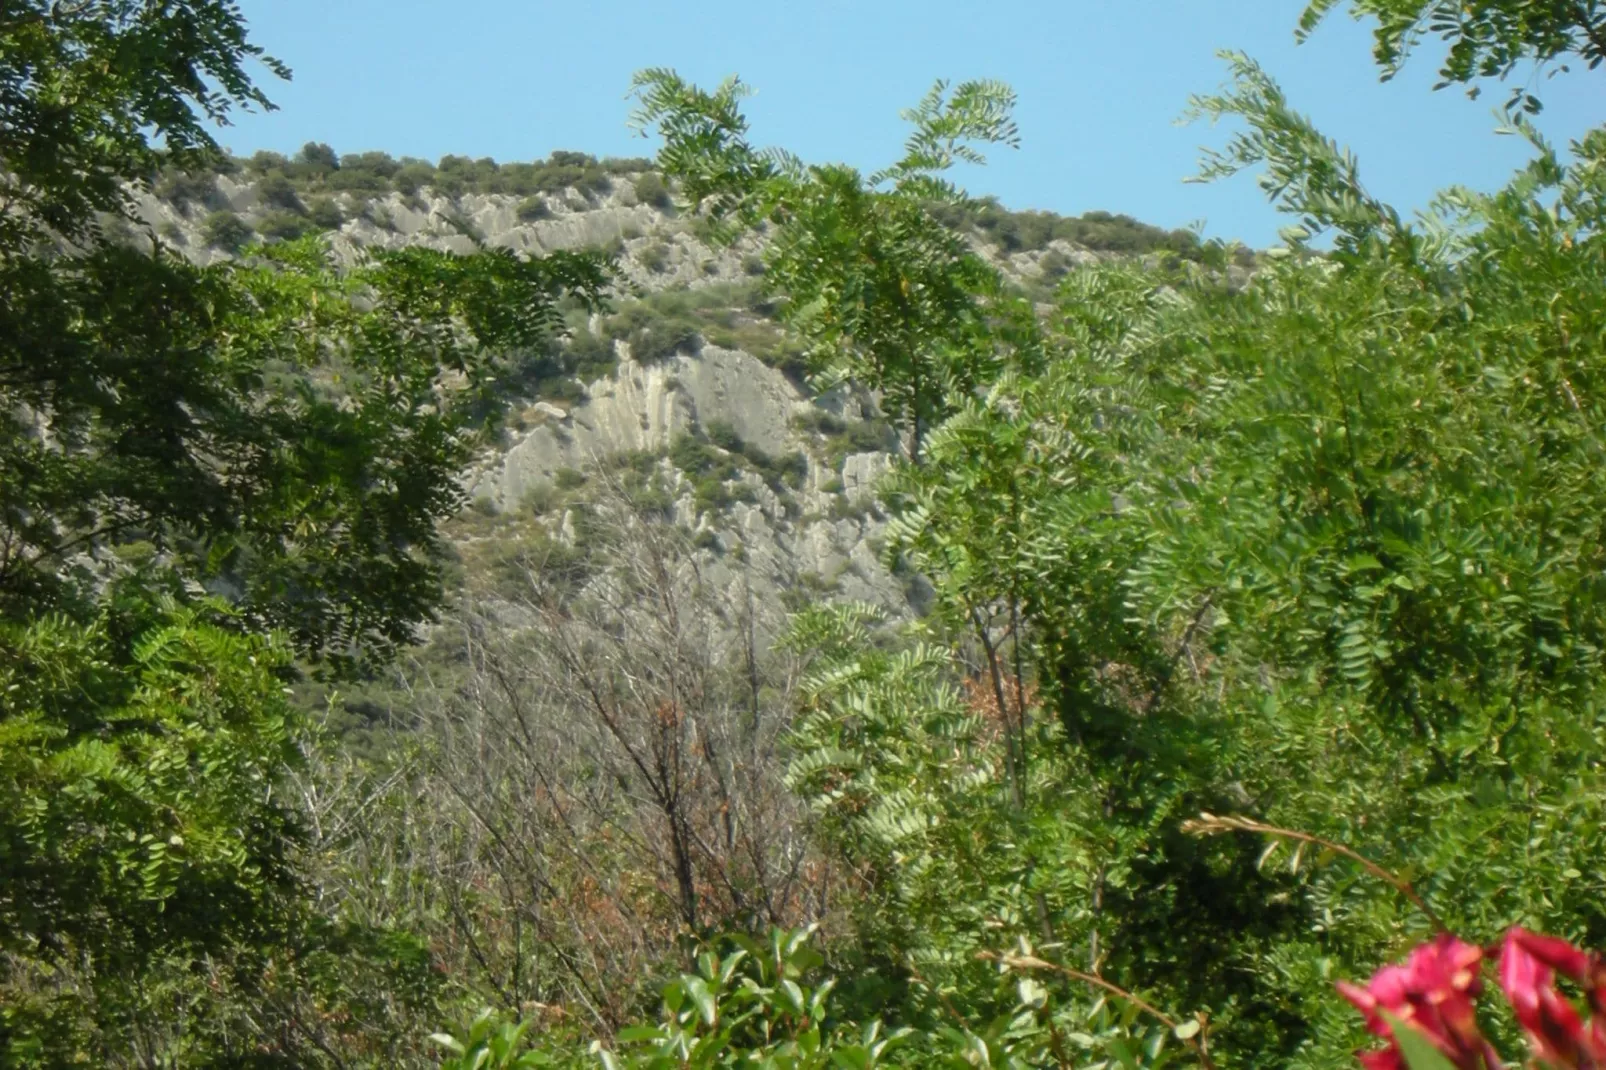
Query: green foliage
1486,38
138,805
839,438
141,749
1321,548
533,209
655,257
592,356
377,172
1030,231
211,479
285,226
226,231
326,213
183,189
325,521
650,344
275,190
751,1004
651,189
87,86
317,158
880,291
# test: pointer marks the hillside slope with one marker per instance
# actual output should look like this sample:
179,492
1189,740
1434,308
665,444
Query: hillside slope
689,383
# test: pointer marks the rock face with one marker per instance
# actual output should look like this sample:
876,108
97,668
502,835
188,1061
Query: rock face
658,250
818,533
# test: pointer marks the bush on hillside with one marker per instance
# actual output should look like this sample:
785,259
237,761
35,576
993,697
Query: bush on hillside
651,189
226,231
184,189
275,190
326,213
284,226
533,209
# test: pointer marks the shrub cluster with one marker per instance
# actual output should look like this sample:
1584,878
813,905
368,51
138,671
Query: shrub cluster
318,168
1030,231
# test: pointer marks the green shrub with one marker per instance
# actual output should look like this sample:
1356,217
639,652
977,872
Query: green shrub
569,478
698,458
172,232
264,162
820,422
787,470
379,215
559,178
1033,230
364,171
650,498
227,231
412,176
183,189
655,257
791,361
326,213
724,436
656,344
626,165
651,189
563,388
534,208
317,158
710,494
1055,266
275,190
540,499
284,226
589,357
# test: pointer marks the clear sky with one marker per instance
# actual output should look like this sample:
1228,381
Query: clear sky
1101,84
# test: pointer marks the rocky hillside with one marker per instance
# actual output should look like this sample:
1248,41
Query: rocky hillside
688,386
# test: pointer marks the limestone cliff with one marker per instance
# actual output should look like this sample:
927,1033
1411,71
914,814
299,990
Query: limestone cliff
816,531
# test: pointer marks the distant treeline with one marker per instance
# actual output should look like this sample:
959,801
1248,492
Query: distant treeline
317,168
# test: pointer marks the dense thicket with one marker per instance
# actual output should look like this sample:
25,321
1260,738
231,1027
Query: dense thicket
1266,633
210,481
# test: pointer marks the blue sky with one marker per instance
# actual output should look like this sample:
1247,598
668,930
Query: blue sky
1101,84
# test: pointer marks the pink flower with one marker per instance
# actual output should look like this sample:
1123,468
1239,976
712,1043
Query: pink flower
1528,965
1432,993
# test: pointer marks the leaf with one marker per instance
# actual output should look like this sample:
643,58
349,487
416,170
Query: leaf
1420,1052
701,997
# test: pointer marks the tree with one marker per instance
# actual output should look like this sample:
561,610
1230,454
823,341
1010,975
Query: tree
1322,550
880,290
277,429
81,87
601,764
209,475
1486,38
